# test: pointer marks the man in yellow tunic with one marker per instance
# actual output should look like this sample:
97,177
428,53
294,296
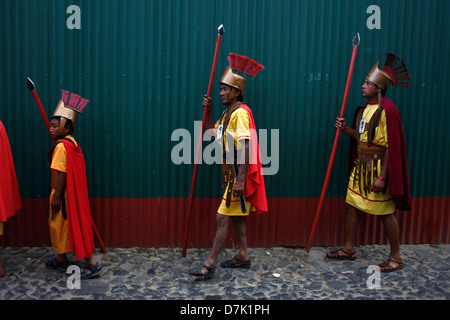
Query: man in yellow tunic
236,133
379,182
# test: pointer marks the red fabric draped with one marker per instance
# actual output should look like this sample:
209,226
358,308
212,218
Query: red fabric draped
78,211
9,188
255,191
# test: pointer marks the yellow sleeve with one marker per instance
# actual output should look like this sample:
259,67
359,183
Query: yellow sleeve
242,124
59,158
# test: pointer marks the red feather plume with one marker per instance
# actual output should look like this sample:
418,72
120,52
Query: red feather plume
65,96
75,102
396,69
244,64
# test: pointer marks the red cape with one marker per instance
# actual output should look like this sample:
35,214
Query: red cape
255,191
77,201
9,188
398,177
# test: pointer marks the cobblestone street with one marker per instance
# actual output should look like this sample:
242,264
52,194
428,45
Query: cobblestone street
276,274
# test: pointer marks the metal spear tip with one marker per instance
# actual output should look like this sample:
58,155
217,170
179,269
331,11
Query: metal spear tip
30,84
356,39
221,29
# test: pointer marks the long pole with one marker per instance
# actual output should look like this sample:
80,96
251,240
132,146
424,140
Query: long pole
32,88
221,31
356,40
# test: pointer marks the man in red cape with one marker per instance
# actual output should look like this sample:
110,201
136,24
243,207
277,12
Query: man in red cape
397,166
379,180
9,188
236,133
70,222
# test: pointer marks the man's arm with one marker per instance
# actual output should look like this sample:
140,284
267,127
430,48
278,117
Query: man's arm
379,184
243,163
207,104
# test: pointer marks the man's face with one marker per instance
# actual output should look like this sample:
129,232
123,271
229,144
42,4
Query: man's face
369,90
226,94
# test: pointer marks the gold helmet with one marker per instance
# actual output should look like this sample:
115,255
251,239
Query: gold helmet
233,80
393,71
68,108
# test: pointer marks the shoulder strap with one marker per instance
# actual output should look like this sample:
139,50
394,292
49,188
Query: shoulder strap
226,121
373,124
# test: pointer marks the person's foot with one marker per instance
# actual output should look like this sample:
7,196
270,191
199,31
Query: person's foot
91,271
206,272
235,262
391,265
55,264
341,254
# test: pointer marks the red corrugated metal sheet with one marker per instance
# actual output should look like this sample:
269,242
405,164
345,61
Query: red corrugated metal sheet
159,222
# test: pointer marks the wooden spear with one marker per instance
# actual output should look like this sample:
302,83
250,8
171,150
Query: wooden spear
220,32
32,88
356,40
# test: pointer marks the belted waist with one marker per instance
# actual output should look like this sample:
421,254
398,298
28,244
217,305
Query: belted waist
368,165
372,152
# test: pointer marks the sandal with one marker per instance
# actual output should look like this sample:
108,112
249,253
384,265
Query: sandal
335,255
210,271
95,271
387,267
236,263
61,266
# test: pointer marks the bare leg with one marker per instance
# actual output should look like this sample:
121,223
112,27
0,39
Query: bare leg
240,227
351,228
61,257
223,223
393,233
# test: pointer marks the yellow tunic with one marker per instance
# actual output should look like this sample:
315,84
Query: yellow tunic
238,129
371,202
1,228
59,230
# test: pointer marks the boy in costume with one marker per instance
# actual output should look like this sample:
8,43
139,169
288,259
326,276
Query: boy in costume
379,181
9,188
241,169
69,214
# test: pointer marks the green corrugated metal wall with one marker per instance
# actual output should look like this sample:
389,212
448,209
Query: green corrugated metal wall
145,64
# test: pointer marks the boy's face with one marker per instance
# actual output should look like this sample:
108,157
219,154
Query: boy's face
54,130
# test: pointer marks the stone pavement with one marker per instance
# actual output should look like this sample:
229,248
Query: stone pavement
276,274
